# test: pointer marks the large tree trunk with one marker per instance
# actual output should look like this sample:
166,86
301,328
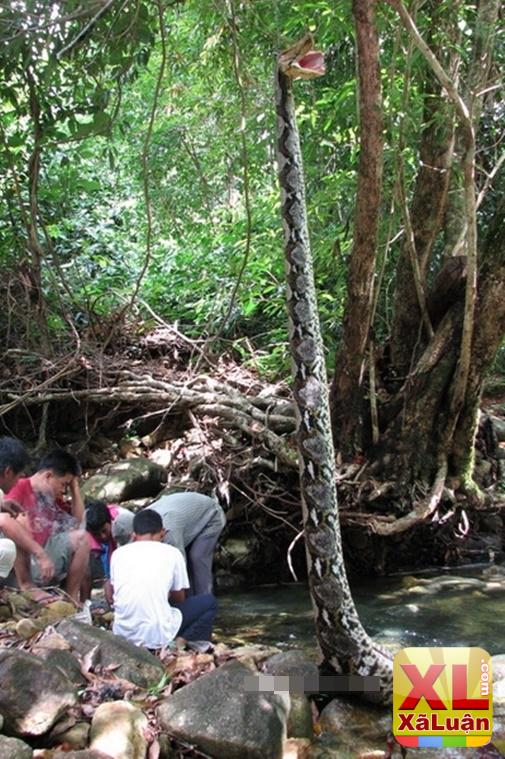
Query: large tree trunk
441,345
346,392
427,213
490,316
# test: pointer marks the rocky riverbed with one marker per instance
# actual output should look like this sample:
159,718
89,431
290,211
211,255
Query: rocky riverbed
76,690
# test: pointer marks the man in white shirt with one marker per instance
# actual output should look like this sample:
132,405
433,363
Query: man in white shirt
148,589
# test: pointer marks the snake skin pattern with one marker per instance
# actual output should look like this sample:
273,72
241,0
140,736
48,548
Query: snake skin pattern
344,643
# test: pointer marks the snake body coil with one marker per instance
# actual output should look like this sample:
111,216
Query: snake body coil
342,638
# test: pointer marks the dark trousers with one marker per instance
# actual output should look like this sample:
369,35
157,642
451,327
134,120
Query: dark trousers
198,613
200,554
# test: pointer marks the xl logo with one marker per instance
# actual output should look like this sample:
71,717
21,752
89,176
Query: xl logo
442,697
422,687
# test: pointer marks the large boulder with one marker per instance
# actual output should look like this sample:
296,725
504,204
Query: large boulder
75,738
33,695
119,729
13,748
357,729
130,662
224,719
66,663
134,478
295,664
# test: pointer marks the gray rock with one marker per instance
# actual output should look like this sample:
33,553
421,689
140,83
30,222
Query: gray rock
498,672
33,695
65,662
131,478
295,663
219,716
300,723
292,662
133,663
13,748
297,748
250,654
356,724
498,667
118,728
499,427
499,723
76,737
237,552
228,580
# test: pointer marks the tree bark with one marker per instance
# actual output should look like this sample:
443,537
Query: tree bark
474,354
346,388
34,246
490,317
427,213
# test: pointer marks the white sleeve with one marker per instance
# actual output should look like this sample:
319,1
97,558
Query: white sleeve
180,580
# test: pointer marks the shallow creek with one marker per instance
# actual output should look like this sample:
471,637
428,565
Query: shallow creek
465,607
459,608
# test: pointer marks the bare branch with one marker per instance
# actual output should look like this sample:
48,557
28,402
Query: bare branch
85,30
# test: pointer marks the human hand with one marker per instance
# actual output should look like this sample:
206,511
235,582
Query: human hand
46,566
12,508
73,486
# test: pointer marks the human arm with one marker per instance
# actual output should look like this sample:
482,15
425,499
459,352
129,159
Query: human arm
180,580
18,530
108,592
77,503
177,596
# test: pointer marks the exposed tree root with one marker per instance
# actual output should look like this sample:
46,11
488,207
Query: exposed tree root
422,511
229,432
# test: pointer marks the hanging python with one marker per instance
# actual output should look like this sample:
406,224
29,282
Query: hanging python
344,643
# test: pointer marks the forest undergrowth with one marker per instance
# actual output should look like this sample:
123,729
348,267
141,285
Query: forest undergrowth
217,426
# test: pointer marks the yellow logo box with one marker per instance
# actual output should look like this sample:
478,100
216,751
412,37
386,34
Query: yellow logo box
442,697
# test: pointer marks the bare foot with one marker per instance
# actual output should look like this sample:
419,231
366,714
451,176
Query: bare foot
40,596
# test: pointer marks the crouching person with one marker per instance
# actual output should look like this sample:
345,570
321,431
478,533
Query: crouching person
148,588
107,526
53,524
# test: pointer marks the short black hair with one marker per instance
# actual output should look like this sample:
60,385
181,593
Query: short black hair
13,455
147,521
97,515
60,462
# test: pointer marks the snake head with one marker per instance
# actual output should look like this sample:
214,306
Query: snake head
301,61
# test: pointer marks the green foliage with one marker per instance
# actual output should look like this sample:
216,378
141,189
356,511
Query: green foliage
80,107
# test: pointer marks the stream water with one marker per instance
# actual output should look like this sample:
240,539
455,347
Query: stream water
459,608
454,608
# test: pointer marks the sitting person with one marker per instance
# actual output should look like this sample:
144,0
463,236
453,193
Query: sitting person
148,589
51,525
14,536
107,525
